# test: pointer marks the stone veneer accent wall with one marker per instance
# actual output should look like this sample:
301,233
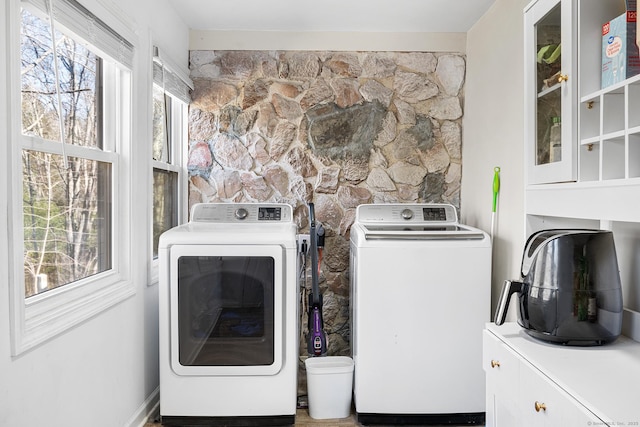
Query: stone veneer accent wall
335,128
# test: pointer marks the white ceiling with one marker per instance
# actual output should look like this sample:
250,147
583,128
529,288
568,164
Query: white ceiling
332,15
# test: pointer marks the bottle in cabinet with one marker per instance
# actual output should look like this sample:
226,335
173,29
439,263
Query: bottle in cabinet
555,141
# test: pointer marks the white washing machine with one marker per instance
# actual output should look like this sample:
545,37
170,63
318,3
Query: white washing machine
420,297
228,317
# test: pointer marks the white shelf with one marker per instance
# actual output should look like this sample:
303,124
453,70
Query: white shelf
616,88
611,200
609,129
547,91
592,140
618,135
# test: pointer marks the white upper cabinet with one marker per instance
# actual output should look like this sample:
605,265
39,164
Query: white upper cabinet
576,130
551,85
592,171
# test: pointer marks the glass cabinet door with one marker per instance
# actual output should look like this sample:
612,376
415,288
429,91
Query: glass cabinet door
550,91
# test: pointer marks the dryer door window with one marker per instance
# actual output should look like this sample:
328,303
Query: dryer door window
225,312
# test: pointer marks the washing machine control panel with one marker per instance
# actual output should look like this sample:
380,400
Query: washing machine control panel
434,214
401,213
242,213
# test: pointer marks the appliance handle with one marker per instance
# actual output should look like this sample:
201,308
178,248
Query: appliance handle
508,288
423,235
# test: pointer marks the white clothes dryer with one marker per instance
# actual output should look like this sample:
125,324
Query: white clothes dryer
420,297
228,317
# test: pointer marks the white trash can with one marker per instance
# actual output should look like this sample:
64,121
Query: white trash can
329,386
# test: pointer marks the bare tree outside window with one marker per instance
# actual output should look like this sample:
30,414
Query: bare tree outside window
66,210
165,204
165,178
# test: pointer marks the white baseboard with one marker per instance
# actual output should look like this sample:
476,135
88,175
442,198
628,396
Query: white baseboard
147,411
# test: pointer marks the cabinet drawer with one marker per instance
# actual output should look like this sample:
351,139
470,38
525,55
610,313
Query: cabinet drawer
501,366
543,403
499,362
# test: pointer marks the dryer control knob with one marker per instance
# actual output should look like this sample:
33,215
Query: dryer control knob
407,214
242,213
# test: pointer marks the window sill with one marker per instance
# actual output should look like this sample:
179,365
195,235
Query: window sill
42,317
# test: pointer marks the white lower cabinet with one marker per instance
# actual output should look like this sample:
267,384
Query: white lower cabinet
520,394
542,403
502,367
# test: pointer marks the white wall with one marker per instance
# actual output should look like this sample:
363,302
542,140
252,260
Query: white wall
493,134
334,41
103,372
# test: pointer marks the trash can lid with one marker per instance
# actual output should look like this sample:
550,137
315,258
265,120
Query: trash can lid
329,365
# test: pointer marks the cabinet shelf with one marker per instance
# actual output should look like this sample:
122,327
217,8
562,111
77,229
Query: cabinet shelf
590,141
614,200
609,133
549,90
615,88
614,136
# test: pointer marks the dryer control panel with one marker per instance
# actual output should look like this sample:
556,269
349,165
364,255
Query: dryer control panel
401,213
242,213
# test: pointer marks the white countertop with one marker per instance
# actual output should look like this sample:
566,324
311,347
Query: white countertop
606,379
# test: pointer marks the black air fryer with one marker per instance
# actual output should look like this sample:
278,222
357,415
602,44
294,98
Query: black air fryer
570,288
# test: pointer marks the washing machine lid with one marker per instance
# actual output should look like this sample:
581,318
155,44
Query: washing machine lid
425,221
422,233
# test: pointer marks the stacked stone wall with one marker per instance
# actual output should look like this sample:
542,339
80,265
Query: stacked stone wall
335,128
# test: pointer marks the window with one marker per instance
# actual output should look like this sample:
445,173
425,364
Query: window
170,98
66,199
165,173
66,219
74,134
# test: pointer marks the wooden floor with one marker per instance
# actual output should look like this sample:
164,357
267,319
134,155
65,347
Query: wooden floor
304,420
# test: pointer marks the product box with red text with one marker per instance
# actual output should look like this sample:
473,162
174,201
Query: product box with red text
620,58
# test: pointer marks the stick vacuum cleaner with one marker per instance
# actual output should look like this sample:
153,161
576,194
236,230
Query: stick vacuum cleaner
316,338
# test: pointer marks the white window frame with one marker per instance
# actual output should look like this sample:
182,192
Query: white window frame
43,316
178,137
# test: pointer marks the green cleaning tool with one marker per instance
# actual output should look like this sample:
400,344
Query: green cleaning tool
496,190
